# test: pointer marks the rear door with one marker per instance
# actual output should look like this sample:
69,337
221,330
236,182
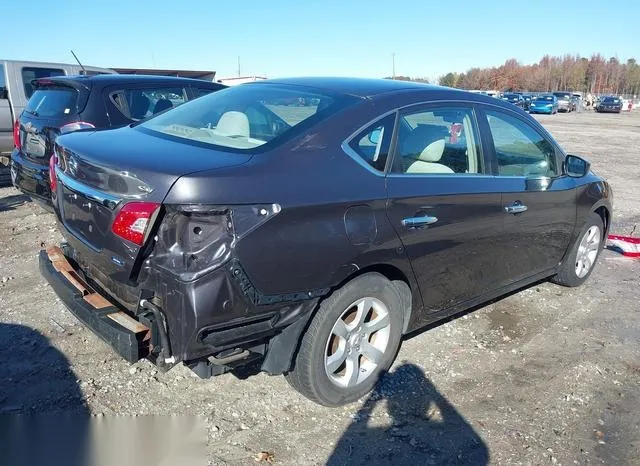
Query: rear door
443,205
538,202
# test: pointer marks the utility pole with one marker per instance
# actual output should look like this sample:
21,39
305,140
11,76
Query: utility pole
393,65
238,65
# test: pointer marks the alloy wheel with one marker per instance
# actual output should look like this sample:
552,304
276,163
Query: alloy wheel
357,342
588,251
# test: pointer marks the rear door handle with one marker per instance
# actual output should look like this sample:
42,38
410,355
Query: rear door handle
515,208
416,222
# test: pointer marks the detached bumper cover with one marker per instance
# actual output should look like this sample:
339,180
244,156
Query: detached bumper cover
128,337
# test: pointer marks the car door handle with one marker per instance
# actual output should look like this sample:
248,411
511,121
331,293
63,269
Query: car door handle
416,222
515,208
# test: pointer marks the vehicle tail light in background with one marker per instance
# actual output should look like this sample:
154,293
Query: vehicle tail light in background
16,135
53,180
76,126
134,220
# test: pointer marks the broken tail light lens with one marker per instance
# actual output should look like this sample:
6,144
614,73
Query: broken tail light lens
195,239
75,126
16,135
134,221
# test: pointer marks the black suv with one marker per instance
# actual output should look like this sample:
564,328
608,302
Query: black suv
62,105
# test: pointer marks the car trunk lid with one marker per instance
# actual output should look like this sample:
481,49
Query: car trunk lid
100,173
53,104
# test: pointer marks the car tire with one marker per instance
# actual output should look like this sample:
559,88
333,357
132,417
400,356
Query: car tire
582,258
332,370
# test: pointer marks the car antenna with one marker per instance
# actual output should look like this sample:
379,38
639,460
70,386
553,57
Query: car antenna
83,70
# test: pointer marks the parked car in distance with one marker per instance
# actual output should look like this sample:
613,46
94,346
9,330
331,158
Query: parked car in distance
564,101
207,235
545,103
609,104
514,98
61,105
15,90
527,101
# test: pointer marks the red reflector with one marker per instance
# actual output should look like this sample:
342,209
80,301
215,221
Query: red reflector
16,135
132,221
53,180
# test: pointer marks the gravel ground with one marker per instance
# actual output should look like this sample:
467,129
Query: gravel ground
548,375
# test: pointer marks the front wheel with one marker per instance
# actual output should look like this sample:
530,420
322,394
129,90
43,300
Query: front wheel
581,260
351,341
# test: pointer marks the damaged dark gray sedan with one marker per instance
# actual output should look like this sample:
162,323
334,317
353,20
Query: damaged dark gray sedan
304,226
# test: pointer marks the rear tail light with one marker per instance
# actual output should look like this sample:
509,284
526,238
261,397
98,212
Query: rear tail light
76,126
53,180
134,220
16,135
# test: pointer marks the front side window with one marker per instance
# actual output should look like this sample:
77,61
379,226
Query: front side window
520,149
246,117
438,141
372,144
31,73
137,103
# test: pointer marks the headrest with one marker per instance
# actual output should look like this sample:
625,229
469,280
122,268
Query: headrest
433,152
233,124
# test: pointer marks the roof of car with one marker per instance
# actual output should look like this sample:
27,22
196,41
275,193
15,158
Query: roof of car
360,87
105,79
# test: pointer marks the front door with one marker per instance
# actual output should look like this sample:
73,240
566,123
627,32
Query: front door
443,204
539,202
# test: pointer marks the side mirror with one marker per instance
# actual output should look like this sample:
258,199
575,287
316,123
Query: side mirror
576,167
4,93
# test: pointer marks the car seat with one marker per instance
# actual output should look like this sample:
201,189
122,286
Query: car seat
161,105
423,149
233,124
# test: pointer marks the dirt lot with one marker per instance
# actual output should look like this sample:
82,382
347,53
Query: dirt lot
548,375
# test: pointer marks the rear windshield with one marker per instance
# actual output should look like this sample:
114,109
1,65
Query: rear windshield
545,98
560,95
247,116
611,100
53,102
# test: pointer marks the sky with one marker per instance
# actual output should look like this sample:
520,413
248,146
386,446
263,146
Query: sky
281,38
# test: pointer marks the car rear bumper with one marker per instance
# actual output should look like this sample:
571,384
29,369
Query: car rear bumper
541,110
128,337
219,313
30,178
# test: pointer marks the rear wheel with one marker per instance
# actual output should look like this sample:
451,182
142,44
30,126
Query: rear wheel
581,260
353,338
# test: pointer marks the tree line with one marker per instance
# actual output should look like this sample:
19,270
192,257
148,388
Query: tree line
597,75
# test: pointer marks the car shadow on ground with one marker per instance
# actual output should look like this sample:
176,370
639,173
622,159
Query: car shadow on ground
11,202
425,429
43,416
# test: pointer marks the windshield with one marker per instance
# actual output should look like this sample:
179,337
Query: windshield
53,102
246,116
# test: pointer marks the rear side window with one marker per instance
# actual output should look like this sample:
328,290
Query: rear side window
31,73
137,104
247,116
372,144
200,91
51,102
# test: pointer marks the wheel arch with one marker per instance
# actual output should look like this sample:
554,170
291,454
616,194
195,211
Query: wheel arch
407,289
